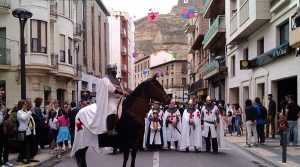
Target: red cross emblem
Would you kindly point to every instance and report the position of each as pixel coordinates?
(191, 115)
(198, 114)
(172, 116)
(208, 113)
(79, 125)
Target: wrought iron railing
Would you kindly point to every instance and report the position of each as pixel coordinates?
(78, 70)
(77, 29)
(5, 56)
(54, 61)
(200, 84)
(5, 4)
(53, 9)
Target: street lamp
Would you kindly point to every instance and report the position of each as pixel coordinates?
(219, 59)
(23, 14)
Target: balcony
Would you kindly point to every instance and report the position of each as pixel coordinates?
(276, 5)
(78, 72)
(215, 36)
(53, 12)
(124, 51)
(294, 36)
(200, 84)
(250, 16)
(213, 8)
(77, 32)
(5, 58)
(66, 70)
(211, 69)
(5, 5)
(123, 33)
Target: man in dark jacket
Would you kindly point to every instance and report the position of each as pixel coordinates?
(250, 123)
(72, 115)
(271, 117)
(261, 113)
(292, 118)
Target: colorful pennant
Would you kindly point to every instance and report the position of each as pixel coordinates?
(135, 54)
(152, 17)
(145, 72)
(188, 13)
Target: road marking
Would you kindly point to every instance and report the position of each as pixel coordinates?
(156, 159)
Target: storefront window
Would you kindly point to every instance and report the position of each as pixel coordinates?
(284, 33)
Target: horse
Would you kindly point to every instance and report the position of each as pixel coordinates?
(131, 125)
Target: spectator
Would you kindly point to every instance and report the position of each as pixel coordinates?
(261, 113)
(63, 136)
(72, 115)
(250, 123)
(292, 118)
(238, 118)
(53, 129)
(229, 122)
(4, 136)
(57, 109)
(233, 118)
(271, 117)
(224, 121)
(282, 124)
(83, 104)
(40, 120)
(24, 132)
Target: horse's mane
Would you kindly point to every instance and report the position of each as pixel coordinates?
(129, 100)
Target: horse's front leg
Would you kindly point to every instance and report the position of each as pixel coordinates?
(133, 156)
(80, 157)
(125, 155)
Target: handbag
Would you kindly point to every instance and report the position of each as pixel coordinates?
(21, 136)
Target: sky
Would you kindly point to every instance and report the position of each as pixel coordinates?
(140, 8)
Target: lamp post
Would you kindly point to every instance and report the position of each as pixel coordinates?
(23, 14)
(219, 59)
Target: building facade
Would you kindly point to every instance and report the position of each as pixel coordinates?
(260, 59)
(214, 41)
(93, 48)
(122, 46)
(141, 70)
(197, 56)
(50, 57)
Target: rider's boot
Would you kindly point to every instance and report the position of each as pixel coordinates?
(110, 123)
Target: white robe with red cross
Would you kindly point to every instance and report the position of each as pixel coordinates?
(191, 135)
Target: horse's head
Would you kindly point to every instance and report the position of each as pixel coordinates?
(156, 91)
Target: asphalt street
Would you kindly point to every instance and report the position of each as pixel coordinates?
(228, 157)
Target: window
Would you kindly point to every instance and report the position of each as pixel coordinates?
(38, 36)
(70, 51)
(183, 81)
(61, 7)
(232, 66)
(245, 54)
(93, 87)
(172, 82)
(284, 33)
(70, 9)
(167, 84)
(62, 49)
(260, 46)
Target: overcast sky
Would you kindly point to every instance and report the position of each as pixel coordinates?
(140, 8)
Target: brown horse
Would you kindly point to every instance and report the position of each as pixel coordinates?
(131, 125)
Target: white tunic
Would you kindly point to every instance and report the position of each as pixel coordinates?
(191, 135)
(210, 118)
(147, 122)
(172, 134)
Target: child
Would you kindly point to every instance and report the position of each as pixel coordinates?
(229, 122)
(53, 129)
(63, 136)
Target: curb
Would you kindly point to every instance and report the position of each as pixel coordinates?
(254, 154)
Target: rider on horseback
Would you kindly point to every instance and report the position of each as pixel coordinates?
(113, 97)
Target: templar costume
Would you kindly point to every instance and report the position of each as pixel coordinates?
(191, 130)
(155, 135)
(172, 125)
(98, 118)
(209, 121)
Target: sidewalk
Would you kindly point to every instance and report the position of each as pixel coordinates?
(45, 157)
(270, 151)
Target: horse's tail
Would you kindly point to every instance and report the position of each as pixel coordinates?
(80, 157)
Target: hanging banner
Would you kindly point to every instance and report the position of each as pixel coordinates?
(152, 17)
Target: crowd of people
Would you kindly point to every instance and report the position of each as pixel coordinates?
(34, 128)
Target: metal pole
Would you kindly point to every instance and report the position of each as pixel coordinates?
(284, 143)
(23, 69)
(182, 94)
(219, 80)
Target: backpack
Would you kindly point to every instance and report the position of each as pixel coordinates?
(263, 112)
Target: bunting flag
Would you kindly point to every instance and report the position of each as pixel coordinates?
(174, 54)
(152, 17)
(188, 13)
(185, 1)
(135, 54)
(145, 72)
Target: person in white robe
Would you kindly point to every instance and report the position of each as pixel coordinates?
(99, 118)
(191, 129)
(209, 124)
(172, 125)
(155, 135)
